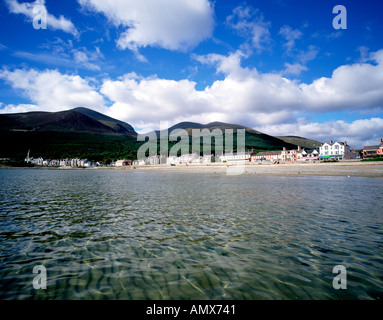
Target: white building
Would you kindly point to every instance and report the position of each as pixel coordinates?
(39, 161)
(139, 162)
(153, 160)
(335, 150)
(189, 158)
(75, 162)
(306, 155)
(121, 163)
(171, 160)
(235, 157)
(207, 159)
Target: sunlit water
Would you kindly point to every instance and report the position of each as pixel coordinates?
(131, 235)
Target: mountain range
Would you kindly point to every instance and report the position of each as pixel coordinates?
(85, 133)
(74, 120)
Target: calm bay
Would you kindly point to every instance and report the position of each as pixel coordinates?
(155, 235)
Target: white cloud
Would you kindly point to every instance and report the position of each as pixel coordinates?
(302, 58)
(19, 108)
(145, 102)
(244, 96)
(306, 56)
(294, 68)
(327, 36)
(228, 65)
(290, 35)
(169, 24)
(364, 56)
(81, 58)
(250, 23)
(268, 102)
(357, 133)
(351, 87)
(50, 90)
(26, 8)
(86, 58)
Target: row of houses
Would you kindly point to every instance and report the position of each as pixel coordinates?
(190, 158)
(172, 160)
(331, 150)
(327, 151)
(299, 154)
(84, 163)
(373, 151)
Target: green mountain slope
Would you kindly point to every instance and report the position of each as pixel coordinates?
(303, 142)
(75, 120)
(76, 133)
(61, 145)
(84, 133)
(254, 139)
(117, 125)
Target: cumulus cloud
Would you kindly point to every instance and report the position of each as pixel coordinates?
(169, 24)
(268, 102)
(351, 87)
(50, 90)
(246, 96)
(147, 101)
(26, 8)
(357, 134)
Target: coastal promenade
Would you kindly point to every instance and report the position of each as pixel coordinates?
(345, 168)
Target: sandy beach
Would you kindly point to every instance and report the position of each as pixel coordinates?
(352, 168)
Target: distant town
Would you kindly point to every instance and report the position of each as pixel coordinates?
(331, 151)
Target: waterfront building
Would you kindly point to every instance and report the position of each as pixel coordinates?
(335, 150)
(207, 158)
(266, 156)
(189, 158)
(153, 160)
(235, 157)
(373, 151)
(139, 162)
(171, 160)
(287, 155)
(39, 161)
(290, 155)
(307, 155)
(121, 163)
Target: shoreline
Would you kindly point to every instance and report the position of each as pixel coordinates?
(352, 169)
(347, 169)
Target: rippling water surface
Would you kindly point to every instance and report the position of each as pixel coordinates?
(131, 235)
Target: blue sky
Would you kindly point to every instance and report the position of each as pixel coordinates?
(277, 66)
